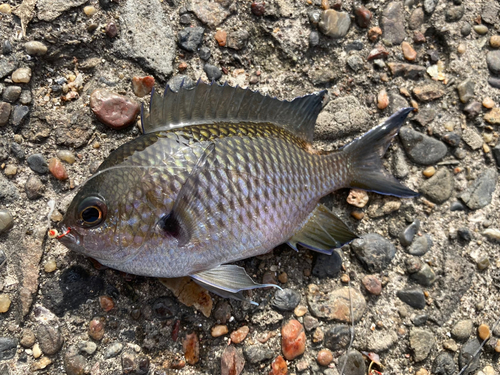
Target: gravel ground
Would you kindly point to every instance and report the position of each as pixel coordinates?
(423, 277)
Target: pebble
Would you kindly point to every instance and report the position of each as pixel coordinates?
(21, 75)
(5, 8)
(300, 310)
(111, 30)
(334, 24)
(443, 364)
(374, 33)
(430, 5)
(466, 90)
(373, 251)
(113, 110)
(355, 62)
(96, 329)
(482, 263)
(257, 353)
(310, 323)
(6, 220)
(450, 345)
(11, 93)
(278, 366)
(293, 339)
(493, 61)
(483, 331)
(429, 171)
(413, 297)
(462, 330)
(408, 234)
(335, 304)
(473, 109)
(5, 109)
(38, 164)
(4, 298)
(416, 18)
(479, 194)
(25, 97)
(286, 299)
(35, 48)
(19, 113)
(89, 10)
(27, 338)
(87, 347)
(408, 52)
(419, 320)
(210, 13)
(464, 234)
(421, 148)
(164, 308)
(488, 103)
(191, 346)
(232, 361)
(327, 265)
(238, 39)
(66, 156)
(191, 37)
(106, 303)
(34, 187)
(372, 284)
(454, 13)
(410, 71)
(354, 363)
(219, 330)
(439, 187)
(382, 99)
(113, 350)
(421, 245)
(363, 16)
(258, 9)
(37, 352)
(428, 92)
(74, 363)
(493, 116)
(50, 338)
(8, 347)
(425, 276)
(213, 73)
(421, 343)
(204, 53)
(495, 41)
(466, 353)
(221, 38)
(494, 82)
(57, 169)
(452, 138)
(392, 23)
(480, 29)
(324, 357)
(142, 85)
(492, 234)
(222, 312)
(239, 335)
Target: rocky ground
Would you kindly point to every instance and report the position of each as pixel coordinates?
(423, 277)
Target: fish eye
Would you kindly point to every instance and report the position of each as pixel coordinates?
(92, 211)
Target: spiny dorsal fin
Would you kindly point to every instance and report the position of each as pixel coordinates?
(209, 103)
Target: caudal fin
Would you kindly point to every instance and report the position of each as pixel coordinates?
(365, 158)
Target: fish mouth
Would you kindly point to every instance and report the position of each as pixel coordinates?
(69, 238)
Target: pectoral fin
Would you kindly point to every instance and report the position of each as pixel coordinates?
(323, 231)
(228, 281)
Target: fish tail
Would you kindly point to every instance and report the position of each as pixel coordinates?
(364, 159)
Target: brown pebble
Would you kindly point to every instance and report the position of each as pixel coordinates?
(382, 99)
(358, 215)
(283, 277)
(419, 38)
(219, 330)
(182, 66)
(240, 334)
(111, 30)
(377, 53)
(344, 278)
(279, 367)
(191, 347)
(293, 339)
(483, 331)
(318, 335)
(300, 310)
(497, 347)
(107, 303)
(372, 284)
(113, 110)
(306, 272)
(325, 5)
(488, 103)
(325, 357)
(422, 371)
(409, 53)
(374, 33)
(96, 328)
(142, 85)
(363, 16)
(495, 41)
(258, 9)
(57, 169)
(429, 171)
(220, 37)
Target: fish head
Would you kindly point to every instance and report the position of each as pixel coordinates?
(109, 219)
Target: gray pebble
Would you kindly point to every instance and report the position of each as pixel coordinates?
(425, 276)
(392, 23)
(185, 19)
(286, 299)
(222, 311)
(430, 5)
(213, 73)
(467, 353)
(421, 245)
(310, 323)
(38, 164)
(8, 191)
(443, 364)
(19, 114)
(176, 82)
(6, 220)
(457, 206)
(205, 53)
(419, 320)
(413, 264)
(466, 29)
(113, 350)
(480, 193)
(5, 109)
(34, 187)
(490, 12)
(452, 138)
(480, 29)
(6, 47)
(257, 353)
(462, 330)
(454, 13)
(11, 93)
(496, 154)
(313, 38)
(35, 48)
(7, 66)
(459, 153)
(421, 343)
(493, 61)
(466, 90)
(373, 251)
(439, 187)
(237, 40)
(425, 116)
(25, 97)
(87, 347)
(8, 347)
(191, 37)
(337, 337)
(327, 265)
(494, 82)
(49, 338)
(400, 167)
(407, 235)
(334, 24)
(314, 16)
(355, 62)
(413, 297)
(464, 234)
(473, 109)
(354, 363)
(421, 148)
(416, 18)
(357, 45)
(17, 150)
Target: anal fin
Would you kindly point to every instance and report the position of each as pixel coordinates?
(323, 231)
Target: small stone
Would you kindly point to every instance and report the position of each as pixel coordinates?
(111, 30)
(374, 33)
(413, 297)
(38, 164)
(443, 364)
(37, 352)
(452, 138)
(300, 310)
(221, 37)
(419, 320)
(334, 24)
(493, 116)
(416, 18)
(25, 97)
(493, 61)
(89, 10)
(232, 361)
(327, 265)
(454, 13)
(325, 357)
(473, 109)
(480, 193)
(425, 276)
(27, 338)
(4, 298)
(293, 339)
(142, 85)
(406, 237)
(34, 187)
(429, 171)
(408, 52)
(50, 338)
(35, 48)
(467, 353)
(213, 73)
(286, 299)
(495, 41)
(257, 353)
(6, 220)
(430, 6)
(222, 312)
(480, 29)
(382, 99)
(428, 92)
(21, 75)
(410, 71)
(66, 156)
(337, 337)
(11, 93)
(240, 334)
(336, 305)
(74, 363)
(258, 9)
(483, 331)
(466, 90)
(113, 350)
(494, 82)
(238, 39)
(5, 109)
(106, 303)
(363, 16)
(439, 187)
(421, 148)
(488, 103)
(96, 329)
(19, 113)
(210, 13)
(113, 110)
(392, 23)
(57, 169)
(204, 53)
(372, 284)
(353, 363)
(462, 330)
(5, 8)
(191, 37)
(355, 62)
(191, 348)
(283, 277)
(310, 323)
(219, 330)
(87, 347)
(421, 245)
(374, 252)
(421, 343)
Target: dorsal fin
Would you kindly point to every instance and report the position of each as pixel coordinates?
(209, 103)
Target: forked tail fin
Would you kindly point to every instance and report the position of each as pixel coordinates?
(365, 159)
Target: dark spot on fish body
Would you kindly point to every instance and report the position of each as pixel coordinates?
(170, 226)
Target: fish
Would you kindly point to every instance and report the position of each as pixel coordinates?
(222, 174)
